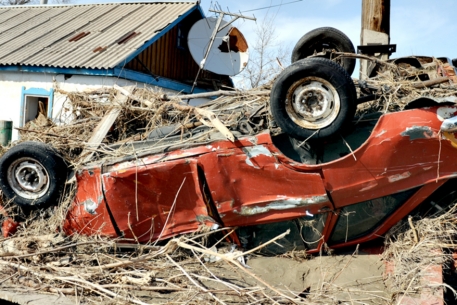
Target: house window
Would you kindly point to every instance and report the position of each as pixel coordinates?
(35, 101)
(182, 38)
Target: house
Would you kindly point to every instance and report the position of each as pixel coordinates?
(79, 47)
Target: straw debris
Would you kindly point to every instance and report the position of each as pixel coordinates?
(414, 248)
(71, 131)
(39, 258)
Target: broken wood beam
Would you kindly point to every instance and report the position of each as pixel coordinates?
(133, 97)
(360, 56)
(104, 126)
(216, 93)
(216, 123)
(431, 82)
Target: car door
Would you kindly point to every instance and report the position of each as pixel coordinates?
(156, 200)
(249, 186)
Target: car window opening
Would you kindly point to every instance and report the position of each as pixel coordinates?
(318, 152)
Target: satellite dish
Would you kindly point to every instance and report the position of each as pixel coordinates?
(229, 52)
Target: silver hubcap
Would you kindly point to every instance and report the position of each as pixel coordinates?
(312, 103)
(28, 178)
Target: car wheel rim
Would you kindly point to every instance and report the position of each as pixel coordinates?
(312, 103)
(28, 178)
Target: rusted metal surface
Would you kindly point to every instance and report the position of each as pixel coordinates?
(388, 156)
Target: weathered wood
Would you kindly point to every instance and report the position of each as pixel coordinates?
(375, 30)
(216, 93)
(371, 58)
(104, 126)
(431, 82)
(210, 116)
(202, 112)
(376, 15)
(216, 123)
(133, 97)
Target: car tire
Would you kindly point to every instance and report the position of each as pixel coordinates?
(32, 175)
(325, 38)
(313, 98)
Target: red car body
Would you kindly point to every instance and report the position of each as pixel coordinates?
(250, 182)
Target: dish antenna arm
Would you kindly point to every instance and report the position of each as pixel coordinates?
(217, 29)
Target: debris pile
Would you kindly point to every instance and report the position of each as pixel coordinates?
(38, 258)
(415, 250)
(139, 113)
(140, 274)
(396, 84)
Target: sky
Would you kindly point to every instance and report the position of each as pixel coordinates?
(418, 27)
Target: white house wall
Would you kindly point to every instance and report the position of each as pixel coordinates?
(12, 83)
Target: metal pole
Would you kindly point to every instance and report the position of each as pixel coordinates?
(375, 28)
(43, 1)
(217, 28)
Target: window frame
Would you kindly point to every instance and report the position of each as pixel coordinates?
(36, 92)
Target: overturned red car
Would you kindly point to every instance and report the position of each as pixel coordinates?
(404, 164)
(330, 190)
(265, 185)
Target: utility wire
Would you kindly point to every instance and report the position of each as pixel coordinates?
(267, 7)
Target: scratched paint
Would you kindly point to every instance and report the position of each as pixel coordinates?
(398, 177)
(90, 206)
(253, 140)
(418, 132)
(446, 112)
(449, 125)
(285, 204)
(381, 133)
(255, 151)
(369, 186)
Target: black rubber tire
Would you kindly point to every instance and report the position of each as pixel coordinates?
(45, 156)
(327, 70)
(325, 38)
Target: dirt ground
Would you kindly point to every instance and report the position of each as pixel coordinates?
(356, 279)
(342, 278)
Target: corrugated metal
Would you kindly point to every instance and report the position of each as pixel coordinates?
(39, 36)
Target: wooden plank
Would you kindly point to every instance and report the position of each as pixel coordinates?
(216, 123)
(217, 93)
(129, 94)
(105, 124)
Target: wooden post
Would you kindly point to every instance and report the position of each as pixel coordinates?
(375, 28)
